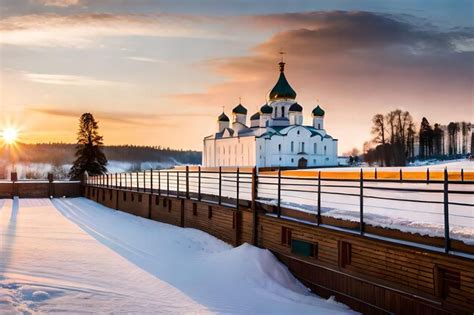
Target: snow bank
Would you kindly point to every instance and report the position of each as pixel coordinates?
(73, 255)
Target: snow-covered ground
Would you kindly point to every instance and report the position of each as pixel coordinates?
(76, 256)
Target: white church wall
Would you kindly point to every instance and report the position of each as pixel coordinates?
(231, 151)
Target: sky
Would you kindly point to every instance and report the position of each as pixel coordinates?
(159, 72)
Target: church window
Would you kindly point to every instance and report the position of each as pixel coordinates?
(314, 161)
(302, 146)
(279, 148)
(319, 126)
(292, 160)
(324, 149)
(282, 112)
(298, 132)
(315, 148)
(292, 146)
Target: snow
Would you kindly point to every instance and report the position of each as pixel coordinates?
(74, 255)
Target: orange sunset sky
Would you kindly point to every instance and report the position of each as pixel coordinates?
(159, 72)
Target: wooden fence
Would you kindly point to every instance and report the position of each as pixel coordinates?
(235, 186)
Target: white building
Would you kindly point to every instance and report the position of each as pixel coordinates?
(275, 137)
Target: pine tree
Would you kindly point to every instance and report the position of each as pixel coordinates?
(89, 154)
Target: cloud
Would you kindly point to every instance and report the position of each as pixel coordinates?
(143, 59)
(84, 30)
(357, 64)
(120, 117)
(59, 3)
(72, 80)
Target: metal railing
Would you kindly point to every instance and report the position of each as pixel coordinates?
(314, 192)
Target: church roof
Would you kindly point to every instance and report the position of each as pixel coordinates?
(282, 88)
(255, 116)
(223, 117)
(266, 109)
(318, 111)
(239, 109)
(296, 108)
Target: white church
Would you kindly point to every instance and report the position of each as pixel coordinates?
(276, 136)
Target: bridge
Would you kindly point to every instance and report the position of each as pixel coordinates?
(375, 269)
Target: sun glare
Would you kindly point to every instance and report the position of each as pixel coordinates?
(9, 135)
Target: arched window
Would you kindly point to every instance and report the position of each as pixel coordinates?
(292, 146)
(315, 148)
(279, 148)
(282, 111)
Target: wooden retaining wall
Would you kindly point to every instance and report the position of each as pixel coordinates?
(40, 189)
(371, 276)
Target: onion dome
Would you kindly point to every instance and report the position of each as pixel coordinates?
(255, 116)
(296, 108)
(318, 111)
(282, 88)
(239, 109)
(266, 109)
(223, 117)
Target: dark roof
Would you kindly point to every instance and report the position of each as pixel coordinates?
(255, 116)
(282, 88)
(296, 108)
(266, 109)
(223, 117)
(318, 111)
(239, 109)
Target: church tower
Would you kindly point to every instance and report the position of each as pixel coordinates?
(318, 118)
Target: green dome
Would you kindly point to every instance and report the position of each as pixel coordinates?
(223, 117)
(239, 109)
(296, 108)
(266, 109)
(255, 116)
(318, 111)
(282, 88)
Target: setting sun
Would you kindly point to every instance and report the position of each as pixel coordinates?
(10, 135)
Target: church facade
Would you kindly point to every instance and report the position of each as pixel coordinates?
(274, 137)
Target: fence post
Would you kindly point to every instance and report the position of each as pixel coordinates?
(168, 184)
(279, 192)
(254, 207)
(447, 241)
(462, 174)
(187, 182)
(177, 184)
(159, 183)
(361, 222)
(131, 181)
(401, 176)
(375, 174)
(220, 184)
(319, 198)
(199, 183)
(138, 182)
(151, 180)
(427, 175)
(237, 192)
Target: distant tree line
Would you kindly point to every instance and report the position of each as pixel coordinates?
(64, 153)
(396, 141)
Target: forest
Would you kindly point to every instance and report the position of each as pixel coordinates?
(63, 153)
(397, 140)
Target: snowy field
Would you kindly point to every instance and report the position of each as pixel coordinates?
(75, 256)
